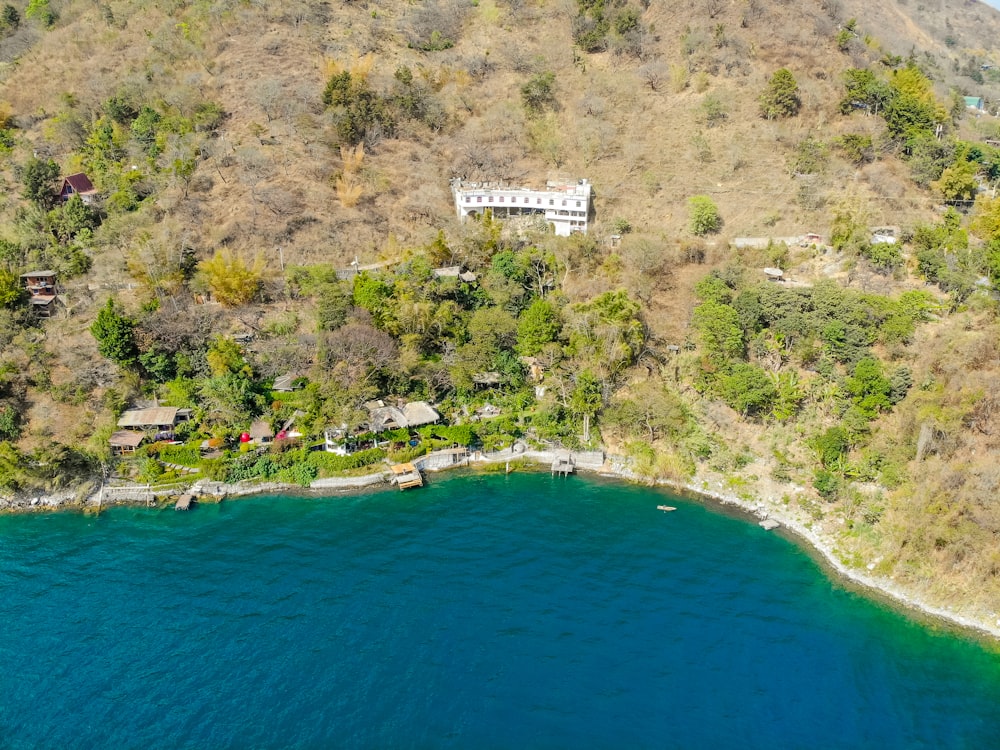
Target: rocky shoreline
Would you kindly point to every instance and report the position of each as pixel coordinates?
(772, 512)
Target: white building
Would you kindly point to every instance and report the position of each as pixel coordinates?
(564, 205)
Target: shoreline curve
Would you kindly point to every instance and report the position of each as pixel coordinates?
(614, 467)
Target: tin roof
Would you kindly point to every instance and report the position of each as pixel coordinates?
(158, 415)
(126, 439)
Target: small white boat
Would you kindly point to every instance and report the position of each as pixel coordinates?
(665, 508)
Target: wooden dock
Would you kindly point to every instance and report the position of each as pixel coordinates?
(184, 502)
(563, 465)
(407, 476)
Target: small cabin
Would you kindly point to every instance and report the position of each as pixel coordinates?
(125, 442)
(41, 285)
(159, 419)
(78, 184)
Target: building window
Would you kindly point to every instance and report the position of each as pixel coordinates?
(479, 199)
(539, 201)
(501, 199)
(578, 204)
(551, 202)
(525, 199)
(468, 199)
(564, 203)
(491, 199)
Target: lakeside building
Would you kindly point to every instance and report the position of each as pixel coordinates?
(564, 205)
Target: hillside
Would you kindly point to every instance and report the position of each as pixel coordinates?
(242, 153)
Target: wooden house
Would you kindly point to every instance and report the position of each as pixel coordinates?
(154, 419)
(41, 285)
(125, 442)
(78, 184)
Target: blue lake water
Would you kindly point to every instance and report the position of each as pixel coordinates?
(478, 612)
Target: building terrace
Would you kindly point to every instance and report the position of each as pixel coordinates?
(564, 205)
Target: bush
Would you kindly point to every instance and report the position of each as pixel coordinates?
(827, 484)
(781, 97)
(538, 93)
(328, 463)
(705, 218)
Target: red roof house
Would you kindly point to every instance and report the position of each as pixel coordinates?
(80, 184)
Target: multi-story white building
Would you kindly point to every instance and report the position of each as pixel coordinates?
(564, 205)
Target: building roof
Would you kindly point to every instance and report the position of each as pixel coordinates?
(486, 378)
(158, 415)
(80, 183)
(126, 439)
(42, 300)
(387, 418)
(447, 271)
(419, 412)
(284, 382)
(260, 429)
(38, 274)
(973, 101)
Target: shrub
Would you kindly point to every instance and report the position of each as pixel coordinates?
(705, 218)
(827, 484)
(781, 96)
(328, 463)
(230, 279)
(538, 93)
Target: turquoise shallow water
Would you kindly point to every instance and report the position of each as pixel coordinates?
(479, 612)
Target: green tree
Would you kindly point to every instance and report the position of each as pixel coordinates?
(718, 326)
(73, 218)
(957, 183)
(230, 279)
(857, 148)
(864, 89)
(358, 110)
(225, 356)
(986, 218)
(40, 10)
(781, 96)
(12, 473)
(10, 423)
(333, 303)
(747, 388)
(538, 325)
(831, 446)
(849, 231)
(11, 289)
(586, 398)
(115, 335)
(38, 177)
(230, 399)
(375, 296)
(704, 215)
(10, 19)
(538, 94)
(869, 387)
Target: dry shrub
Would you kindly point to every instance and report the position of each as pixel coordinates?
(348, 184)
(679, 77)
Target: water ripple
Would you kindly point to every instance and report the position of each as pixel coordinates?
(494, 612)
